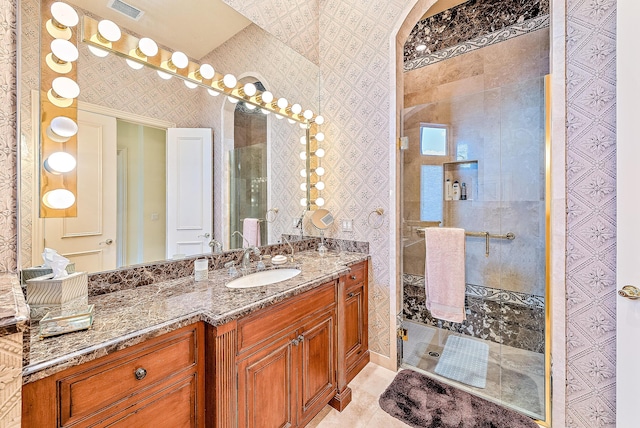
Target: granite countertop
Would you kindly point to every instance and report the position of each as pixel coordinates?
(125, 318)
(14, 312)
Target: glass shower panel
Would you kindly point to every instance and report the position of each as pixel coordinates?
(495, 162)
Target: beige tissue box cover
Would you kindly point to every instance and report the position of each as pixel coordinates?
(36, 271)
(45, 294)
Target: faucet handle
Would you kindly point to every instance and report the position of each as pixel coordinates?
(232, 268)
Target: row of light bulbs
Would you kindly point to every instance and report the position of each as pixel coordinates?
(319, 153)
(62, 93)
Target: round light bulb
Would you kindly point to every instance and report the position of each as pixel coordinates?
(319, 202)
(61, 129)
(319, 136)
(189, 84)
(308, 114)
(65, 87)
(296, 109)
(303, 173)
(100, 53)
(229, 80)
(264, 111)
(267, 97)
(134, 64)
(303, 155)
(250, 89)
(303, 202)
(302, 125)
(233, 100)
(291, 121)
(303, 187)
(279, 116)
(108, 31)
(250, 106)
(303, 140)
(206, 71)
(60, 163)
(320, 153)
(319, 120)
(64, 14)
(147, 47)
(64, 50)
(163, 75)
(179, 59)
(320, 185)
(320, 171)
(213, 93)
(58, 199)
(282, 103)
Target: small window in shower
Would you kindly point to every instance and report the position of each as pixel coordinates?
(433, 139)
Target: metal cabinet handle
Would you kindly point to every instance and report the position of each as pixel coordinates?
(630, 292)
(108, 242)
(140, 373)
(353, 277)
(351, 294)
(297, 340)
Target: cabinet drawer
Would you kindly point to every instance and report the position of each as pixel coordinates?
(262, 325)
(124, 374)
(356, 275)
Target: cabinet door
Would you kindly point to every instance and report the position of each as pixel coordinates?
(355, 324)
(264, 387)
(317, 381)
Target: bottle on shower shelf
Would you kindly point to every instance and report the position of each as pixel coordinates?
(463, 192)
(455, 193)
(448, 190)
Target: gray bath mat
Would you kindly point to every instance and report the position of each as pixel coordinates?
(464, 360)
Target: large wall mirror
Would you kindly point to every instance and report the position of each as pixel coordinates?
(132, 115)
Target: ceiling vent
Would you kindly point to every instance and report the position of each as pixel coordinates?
(125, 9)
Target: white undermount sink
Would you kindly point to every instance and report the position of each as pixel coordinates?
(264, 277)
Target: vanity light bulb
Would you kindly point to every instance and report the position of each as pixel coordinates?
(296, 109)
(133, 64)
(213, 93)
(100, 53)
(108, 31)
(320, 171)
(303, 202)
(264, 111)
(320, 185)
(65, 87)
(63, 17)
(320, 153)
(61, 129)
(303, 140)
(58, 199)
(319, 120)
(190, 85)
(303, 155)
(64, 50)
(207, 71)
(250, 106)
(60, 163)
(320, 136)
(267, 97)
(303, 173)
(148, 47)
(282, 103)
(250, 89)
(291, 121)
(179, 59)
(303, 187)
(308, 114)
(279, 116)
(303, 125)
(163, 75)
(229, 80)
(233, 100)
(320, 202)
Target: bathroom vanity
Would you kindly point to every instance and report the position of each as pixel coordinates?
(185, 353)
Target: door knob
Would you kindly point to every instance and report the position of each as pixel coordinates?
(107, 242)
(630, 292)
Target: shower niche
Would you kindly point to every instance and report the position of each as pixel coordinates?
(460, 180)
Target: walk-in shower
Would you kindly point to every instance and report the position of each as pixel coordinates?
(476, 160)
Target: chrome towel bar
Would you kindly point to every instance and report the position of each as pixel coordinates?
(486, 235)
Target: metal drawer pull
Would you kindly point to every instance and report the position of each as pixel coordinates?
(353, 277)
(351, 294)
(297, 340)
(140, 373)
(630, 292)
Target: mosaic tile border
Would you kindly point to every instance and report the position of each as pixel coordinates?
(487, 293)
(479, 42)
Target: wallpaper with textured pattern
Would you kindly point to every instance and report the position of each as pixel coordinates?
(10, 380)
(354, 54)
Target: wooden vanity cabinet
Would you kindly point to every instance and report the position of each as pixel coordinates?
(287, 374)
(159, 382)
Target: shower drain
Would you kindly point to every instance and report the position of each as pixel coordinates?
(434, 354)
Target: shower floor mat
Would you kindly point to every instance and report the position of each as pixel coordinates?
(464, 360)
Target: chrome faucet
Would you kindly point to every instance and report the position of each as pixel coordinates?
(299, 223)
(246, 255)
(215, 245)
(291, 258)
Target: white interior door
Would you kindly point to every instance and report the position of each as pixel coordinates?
(628, 215)
(89, 239)
(189, 190)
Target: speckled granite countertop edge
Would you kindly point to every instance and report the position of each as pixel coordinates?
(55, 354)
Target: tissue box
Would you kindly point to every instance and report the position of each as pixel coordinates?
(45, 294)
(36, 271)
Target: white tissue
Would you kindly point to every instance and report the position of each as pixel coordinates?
(55, 262)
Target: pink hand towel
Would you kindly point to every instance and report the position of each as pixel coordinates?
(444, 275)
(251, 232)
